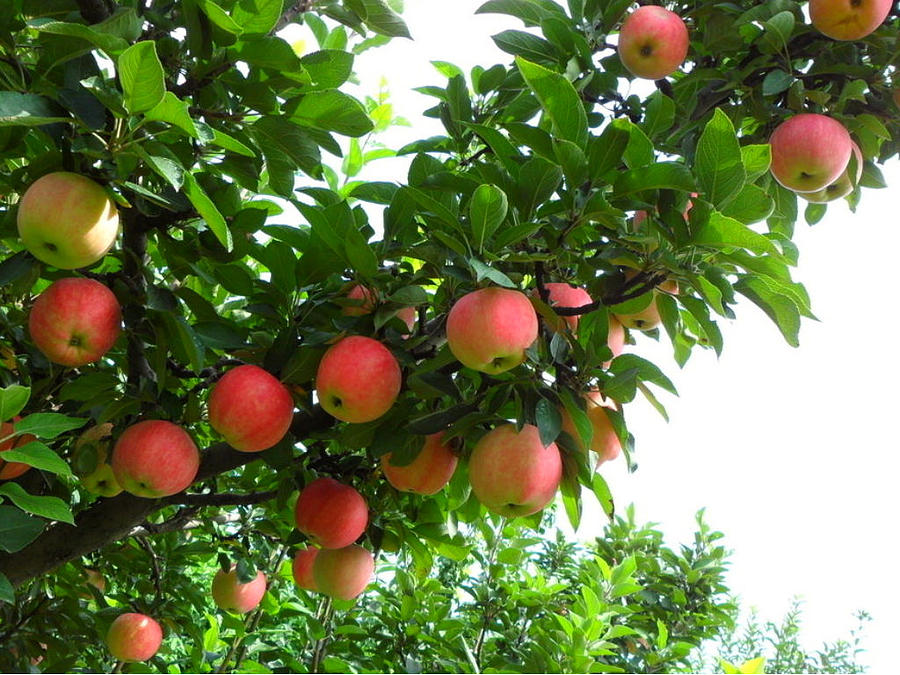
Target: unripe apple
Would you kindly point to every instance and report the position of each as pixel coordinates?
(430, 471)
(101, 481)
(604, 440)
(343, 573)
(67, 220)
(565, 295)
(366, 301)
(233, 596)
(653, 42)
(302, 568)
(331, 514)
(155, 458)
(358, 379)
(134, 637)
(75, 321)
(514, 474)
(648, 318)
(250, 408)
(489, 329)
(809, 152)
(848, 19)
(842, 187)
(10, 470)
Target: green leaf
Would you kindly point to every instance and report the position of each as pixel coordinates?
(483, 271)
(52, 508)
(48, 425)
(220, 17)
(330, 110)
(531, 47)
(173, 110)
(17, 529)
(662, 175)
(39, 456)
(142, 77)
(776, 81)
(7, 592)
(579, 417)
(208, 211)
(273, 53)
(605, 151)
(720, 231)
(538, 180)
(285, 147)
(409, 295)
(110, 44)
(28, 110)
(12, 399)
(487, 209)
(718, 160)
(645, 370)
(778, 30)
(549, 421)
(603, 494)
(777, 307)
(660, 115)
(756, 160)
(257, 17)
(559, 100)
(378, 16)
(328, 68)
(750, 205)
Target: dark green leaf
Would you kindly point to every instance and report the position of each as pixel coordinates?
(17, 529)
(52, 508)
(549, 421)
(48, 425)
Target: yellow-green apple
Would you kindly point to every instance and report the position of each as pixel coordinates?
(10, 470)
(364, 299)
(848, 19)
(565, 295)
(809, 152)
(302, 568)
(653, 42)
(75, 321)
(358, 379)
(512, 472)
(343, 573)
(155, 458)
(842, 187)
(604, 440)
(233, 596)
(67, 220)
(430, 471)
(648, 318)
(101, 481)
(489, 329)
(331, 514)
(134, 637)
(250, 408)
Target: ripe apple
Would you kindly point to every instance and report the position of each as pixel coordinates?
(331, 514)
(489, 329)
(842, 187)
(343, 573)
(302, 568)
(155, 458)
(9, 470)
(653, 42)
(564, 295)
(848, 19)
(408, 315)
(365, 298)
(615, 338)
(67, 220)
(512, 473)
(250, 408)
(101, 481)
(233, 596)
(648, 318)
(358, 379)
(809, 152)
(604, 440)
(75, 321)
(430, 471)
(134, 637)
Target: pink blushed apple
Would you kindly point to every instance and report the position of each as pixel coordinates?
(364, 301)
(428, 473)
(565, 295)
(155, 458)
(809, 152)
(331, 514)
(343, 573)
(302, 568)
(653, 42)
(842, 187)
(848, 19)
(233, 595)
(134, 637)
(604, 440)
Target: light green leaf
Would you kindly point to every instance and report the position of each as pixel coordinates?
(48, 425)
(12, 399)
(487, 209)
(559, 100)
(39, 456)
(52, 508)
(718, 160)
(330, 110)
(662, 175)
(720, 231)
(142, 77)
(173, 110)
(482, 271)
(208, 211)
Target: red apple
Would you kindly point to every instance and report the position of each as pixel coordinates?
(848, 19)
(233, 596)
(9, 470)
(331, 514)
(653, 42)
(75, 321)
(358, 379)
(250, 408)
(514, 474)
(615, 338)
(809, 152)
(843, 186)
(489, 329)
(430, 471)
(155, 458)
(365, 298)
(67, 220)
(343, 573)
(302, 568)
(134, 637)
(604, 440)
(564, 295)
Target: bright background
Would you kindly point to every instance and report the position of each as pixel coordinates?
(793, 452)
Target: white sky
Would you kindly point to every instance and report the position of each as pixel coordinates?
(793, 452)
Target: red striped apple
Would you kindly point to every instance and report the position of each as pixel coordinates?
(653, 42)
(430, 471)
(331, 514)
(848, 19)
(134, 637)
(155, 458)
(343, 573)
(809, 152)
(302, 568)
(230, 594)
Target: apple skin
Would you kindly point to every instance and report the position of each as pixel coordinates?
(848, 19)
(809, 152)
(10, 470)
(343, 573)
(564, 295)
(250, 408)
(842, 187)
(331, 514)
(302, 568)
(67, 220)
(653, 42)
(408, 315)
(604, 440)
(134, 637)
(489, 329)
(75, 321)
(428, 473)
(231, 595)
(512, 473)
(366, 298)
(358, 379)
(155, 458)
(615, 338)
(648, 318)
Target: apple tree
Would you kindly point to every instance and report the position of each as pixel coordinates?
(463, 332)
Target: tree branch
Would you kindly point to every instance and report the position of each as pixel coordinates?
(292, 11)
